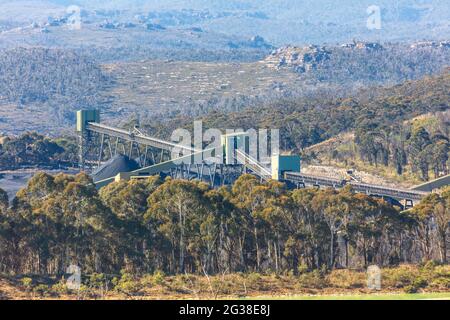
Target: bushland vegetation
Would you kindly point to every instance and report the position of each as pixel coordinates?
(178, 227)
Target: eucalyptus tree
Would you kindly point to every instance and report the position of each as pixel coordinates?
(367, 226)
(254, 200)
(308, 230)
(5, 232)
(327, 204)
(443, 222)
(4, 201)
(217, 230)
(277, 213)
(61, 220)
(235, 236)
(128, 202)
(432, 214)
(173, 210)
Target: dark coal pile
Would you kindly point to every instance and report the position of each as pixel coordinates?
(113, 167)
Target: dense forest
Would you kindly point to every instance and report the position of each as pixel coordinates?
(422, 149)
(307, 121)
(178, 226)
(32, 149)
(59, 81)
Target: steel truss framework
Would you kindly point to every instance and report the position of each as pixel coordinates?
(96, 148)
(214, 174)
(408, 197)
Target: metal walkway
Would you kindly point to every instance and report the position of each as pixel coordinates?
(433, 185)
(303, 180)
(138, 137)
(253, 165)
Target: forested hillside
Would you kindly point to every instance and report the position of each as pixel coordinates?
(58, 81)
(376, 115)
(53, 83)
(359, 63)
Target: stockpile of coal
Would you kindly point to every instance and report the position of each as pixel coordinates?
(113, 167)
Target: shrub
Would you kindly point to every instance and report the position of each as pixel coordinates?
(441, 277)
(400, 277)
(60, 288)
(27, 283)
(127, 284)
(302, 268)
(41, 289)
(442, 271)
(98, 281)
(416, 285)
(253, 280)
(429, 265)
(158, 278)
(410, 289)
(313, 280)
(183, 283)
(348, 279)
(440, 283)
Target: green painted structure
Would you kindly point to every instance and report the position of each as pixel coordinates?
(284, 163)
(86, 116)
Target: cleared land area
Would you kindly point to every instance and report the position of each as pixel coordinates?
(170, 86)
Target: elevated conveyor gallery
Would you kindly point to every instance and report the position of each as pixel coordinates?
(235, 159)
(433, 185)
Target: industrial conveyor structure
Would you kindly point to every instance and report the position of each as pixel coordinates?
(114, 141)
(98, 142)
(406, 197)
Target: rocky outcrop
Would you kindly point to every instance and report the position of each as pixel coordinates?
(362, 45)
(296, 58)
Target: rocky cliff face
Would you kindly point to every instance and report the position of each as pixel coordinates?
(362, 45)
(299, 59)
(304, 59)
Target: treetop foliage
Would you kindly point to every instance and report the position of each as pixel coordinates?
(33, 149)
(176, 226)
